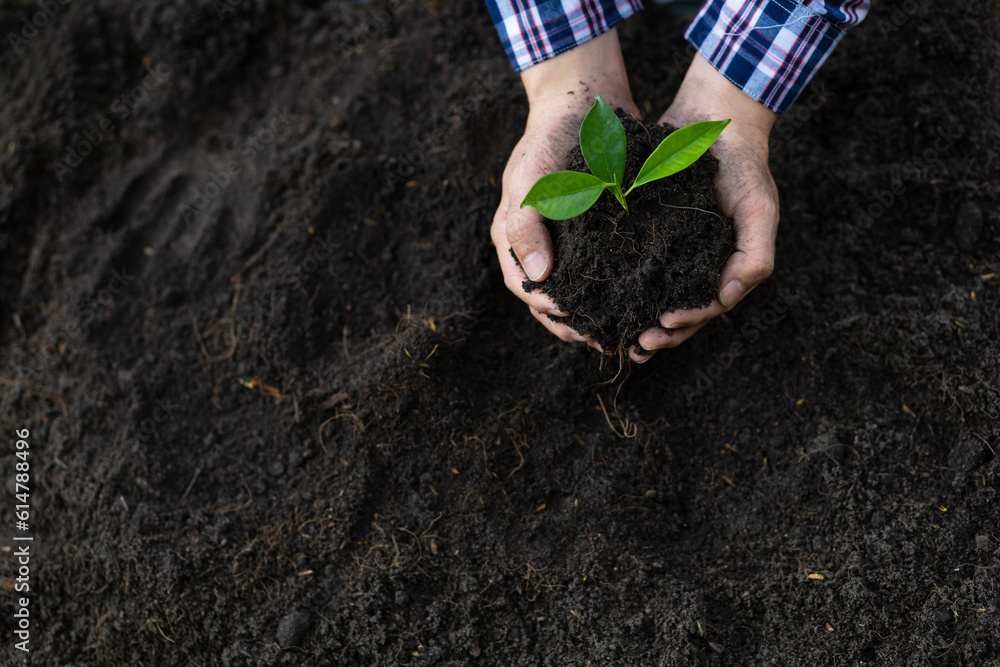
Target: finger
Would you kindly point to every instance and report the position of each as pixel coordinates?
(513, 276)
(750, 198)
(744, 271)
(526, 231)
(657, 338)
(530, 241)
(679, 319)
(564, 332)
(639, 355)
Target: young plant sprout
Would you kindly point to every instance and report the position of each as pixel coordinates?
(562, 195)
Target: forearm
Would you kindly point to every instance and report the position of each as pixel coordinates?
(770, 49)
(534, 31)
(570, 80)
(705, 94)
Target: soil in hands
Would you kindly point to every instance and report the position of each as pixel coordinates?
(615, 273)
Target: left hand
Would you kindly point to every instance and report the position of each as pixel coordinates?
(744, 189)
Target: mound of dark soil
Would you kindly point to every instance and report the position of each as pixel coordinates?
(284, 411)
(615, 273)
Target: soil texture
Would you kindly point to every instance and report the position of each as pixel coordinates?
(283, 411)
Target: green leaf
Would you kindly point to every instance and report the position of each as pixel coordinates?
(681, 149)
(562, 195)
(602, 141)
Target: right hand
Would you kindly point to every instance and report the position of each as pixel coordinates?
(744, 189)
(561, 91)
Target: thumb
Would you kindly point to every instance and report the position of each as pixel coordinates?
(529, 239)
(747, 194)
(752, 260)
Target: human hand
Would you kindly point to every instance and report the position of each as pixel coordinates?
(560, 92)
(744, 189)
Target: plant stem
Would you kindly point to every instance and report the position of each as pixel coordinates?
(617, 191)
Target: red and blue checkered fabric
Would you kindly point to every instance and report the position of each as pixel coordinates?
(770, 49)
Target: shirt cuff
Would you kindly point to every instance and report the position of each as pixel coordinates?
(770, 49)
(535, 31)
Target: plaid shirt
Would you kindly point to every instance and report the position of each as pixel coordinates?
(769, 48)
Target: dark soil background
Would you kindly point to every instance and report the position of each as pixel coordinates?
(283, 411)
(615, 273)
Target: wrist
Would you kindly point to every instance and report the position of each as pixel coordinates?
(568, 82)
(706, 94)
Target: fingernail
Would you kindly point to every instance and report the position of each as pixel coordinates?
(556, 313)
(534, 265)
(732, 293)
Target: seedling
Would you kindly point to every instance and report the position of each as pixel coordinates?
(562, 195)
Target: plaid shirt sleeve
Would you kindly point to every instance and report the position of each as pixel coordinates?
(770, 49)
(535, 30)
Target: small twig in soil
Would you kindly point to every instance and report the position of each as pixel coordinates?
(257, 255)
(424, 534)
(619, 351)
(430, 355)
(359, 427)
(189, 487)
(985, 443)
(695, 208)
(985, 384)
(52, 397)
(347, 354)
(519, 455)
(690, 208)
(649, 137)
(320, 434)
(156, 625)
(321, 519)
(242, 551)
(628, 430)
(232, 328)
(657, 232)
(224, 510)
